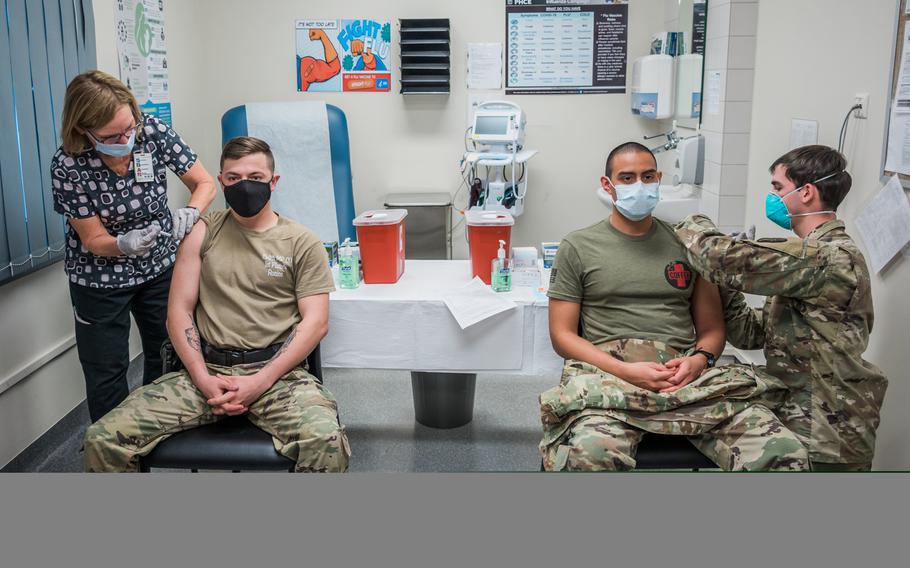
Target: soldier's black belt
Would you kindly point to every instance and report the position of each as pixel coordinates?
(231, 357)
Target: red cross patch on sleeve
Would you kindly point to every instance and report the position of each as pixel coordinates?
(678, 274)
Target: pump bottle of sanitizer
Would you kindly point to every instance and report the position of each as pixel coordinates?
(501, 277)
(348, 269)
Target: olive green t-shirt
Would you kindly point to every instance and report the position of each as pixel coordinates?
(250, 281)
(628, 286)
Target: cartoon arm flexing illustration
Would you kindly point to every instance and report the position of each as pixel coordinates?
(314, 70)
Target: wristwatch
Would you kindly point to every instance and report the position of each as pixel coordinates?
(711, 359)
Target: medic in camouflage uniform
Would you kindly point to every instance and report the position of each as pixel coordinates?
(815, 325)
(640, 331)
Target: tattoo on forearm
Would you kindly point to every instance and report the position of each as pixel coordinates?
(287, 341)
(192, 337)
(284, 345)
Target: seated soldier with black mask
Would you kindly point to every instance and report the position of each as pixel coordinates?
(246, 281)
(640, 332)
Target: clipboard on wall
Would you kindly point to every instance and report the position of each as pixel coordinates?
(896, 158)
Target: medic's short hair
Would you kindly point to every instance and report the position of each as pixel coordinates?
(810, 163)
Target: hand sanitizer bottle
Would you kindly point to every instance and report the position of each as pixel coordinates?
(501, 277)
(348, 269)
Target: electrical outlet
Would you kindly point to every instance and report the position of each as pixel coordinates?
(861, 99)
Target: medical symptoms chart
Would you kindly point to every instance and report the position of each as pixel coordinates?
(565, 47)
(142, 56)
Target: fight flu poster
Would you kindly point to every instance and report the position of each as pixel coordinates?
(344, 55)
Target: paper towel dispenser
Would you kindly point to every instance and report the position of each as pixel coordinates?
(688, 80)
(653, 86)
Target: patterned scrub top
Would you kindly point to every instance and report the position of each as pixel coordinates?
(83, 187)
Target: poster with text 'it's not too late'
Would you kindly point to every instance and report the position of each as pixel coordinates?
(343, 55)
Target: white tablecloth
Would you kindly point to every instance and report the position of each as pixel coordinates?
(407, 326)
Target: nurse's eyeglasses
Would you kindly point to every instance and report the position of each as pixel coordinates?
(114, 138)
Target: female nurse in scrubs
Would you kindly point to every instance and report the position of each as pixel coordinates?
(109, 182)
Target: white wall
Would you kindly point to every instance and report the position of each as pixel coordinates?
(227, 52)
(810, 61)
(36, 317)
(729, 56)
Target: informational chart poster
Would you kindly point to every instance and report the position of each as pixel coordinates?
(344, 55)
(563, 47)
(142, 56)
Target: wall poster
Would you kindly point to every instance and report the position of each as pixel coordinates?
(344, 55)
(142, 56)
(565, 47)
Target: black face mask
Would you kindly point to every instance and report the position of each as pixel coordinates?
(247, 197)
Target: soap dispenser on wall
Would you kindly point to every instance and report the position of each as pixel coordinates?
(690, 161)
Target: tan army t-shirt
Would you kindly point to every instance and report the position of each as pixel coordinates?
(250, 281)
(628, 286)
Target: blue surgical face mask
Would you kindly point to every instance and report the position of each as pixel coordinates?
(117, 150)
(776, 209)
(636, 201)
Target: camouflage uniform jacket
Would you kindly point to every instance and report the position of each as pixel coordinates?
(814, 326)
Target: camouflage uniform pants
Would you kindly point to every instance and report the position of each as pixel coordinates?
(299, 414)
(594, 421)
(794, 412)
(751, 440)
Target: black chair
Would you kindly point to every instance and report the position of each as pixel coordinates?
(232, 443)
(661, 451)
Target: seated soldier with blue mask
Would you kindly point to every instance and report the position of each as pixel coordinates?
(641, 331)
(249, 301)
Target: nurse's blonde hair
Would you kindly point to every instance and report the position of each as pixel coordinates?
(92, 99)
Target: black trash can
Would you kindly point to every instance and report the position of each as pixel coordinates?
(443, 400)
